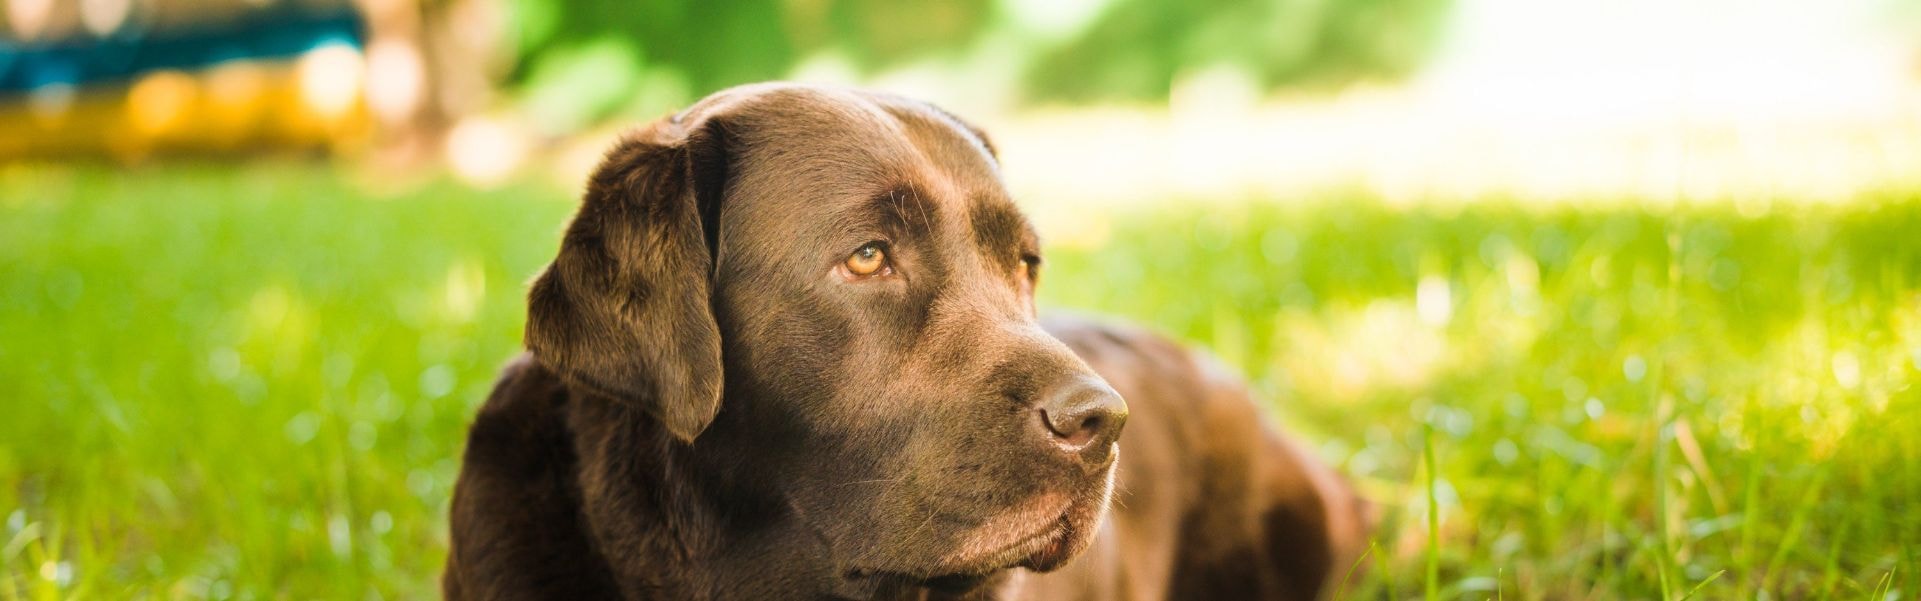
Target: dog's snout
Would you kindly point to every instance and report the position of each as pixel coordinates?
(1084, 416)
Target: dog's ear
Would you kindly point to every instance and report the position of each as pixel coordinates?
(625, 310)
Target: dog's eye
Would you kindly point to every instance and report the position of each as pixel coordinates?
(1030, 266)
(868, 260)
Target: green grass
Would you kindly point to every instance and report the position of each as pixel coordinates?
(253, 383)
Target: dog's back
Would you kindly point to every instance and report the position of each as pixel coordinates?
(1213, 502)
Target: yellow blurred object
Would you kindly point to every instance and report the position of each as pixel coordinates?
(236, 97)
(315, 103)
(159, 102)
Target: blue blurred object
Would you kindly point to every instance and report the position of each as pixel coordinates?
(281, 31)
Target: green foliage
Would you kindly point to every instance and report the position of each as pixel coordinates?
(1124, 49)
(711, 44)
(255, 383)
(1138, 47)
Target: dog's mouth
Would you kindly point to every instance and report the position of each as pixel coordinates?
(1040, 534)
(1057, 524)
(1057, 550)
(1042, 550)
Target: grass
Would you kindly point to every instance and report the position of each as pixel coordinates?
(253, 383)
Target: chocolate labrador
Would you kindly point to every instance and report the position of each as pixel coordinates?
(789, 350)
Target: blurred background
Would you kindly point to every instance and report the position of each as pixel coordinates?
(1596, 300)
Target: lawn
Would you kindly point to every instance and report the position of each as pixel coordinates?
(253, 383)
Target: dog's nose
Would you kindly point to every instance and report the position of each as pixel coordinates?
(1084, 417)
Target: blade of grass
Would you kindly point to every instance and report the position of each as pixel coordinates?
(1664, 422)
(1664, 537)
(1697, 588)
(1433, 516)
(1796, 525)
(1831, 573)
(1880, 592)
(1387, 571)
(1750, 519)
(1342, 591)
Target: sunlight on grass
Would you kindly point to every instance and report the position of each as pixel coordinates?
(255, 383)
(1624, 401)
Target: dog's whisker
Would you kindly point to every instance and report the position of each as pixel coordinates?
(921, 204)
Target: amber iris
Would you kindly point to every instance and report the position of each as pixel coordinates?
(867, 260)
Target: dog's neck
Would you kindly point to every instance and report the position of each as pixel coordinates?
(672, 521)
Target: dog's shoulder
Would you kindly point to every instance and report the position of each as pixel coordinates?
(525, 406)
(1136, 359)
(1198, 437)
(515, 529)
(1106, 341)
(1188, 415)
(523, 385)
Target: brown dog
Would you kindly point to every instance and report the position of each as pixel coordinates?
(789, 351)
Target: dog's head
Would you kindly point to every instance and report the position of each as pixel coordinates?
(832, 289)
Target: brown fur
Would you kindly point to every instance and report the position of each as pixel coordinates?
(710, 410)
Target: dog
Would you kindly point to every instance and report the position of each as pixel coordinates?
(789, 350)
